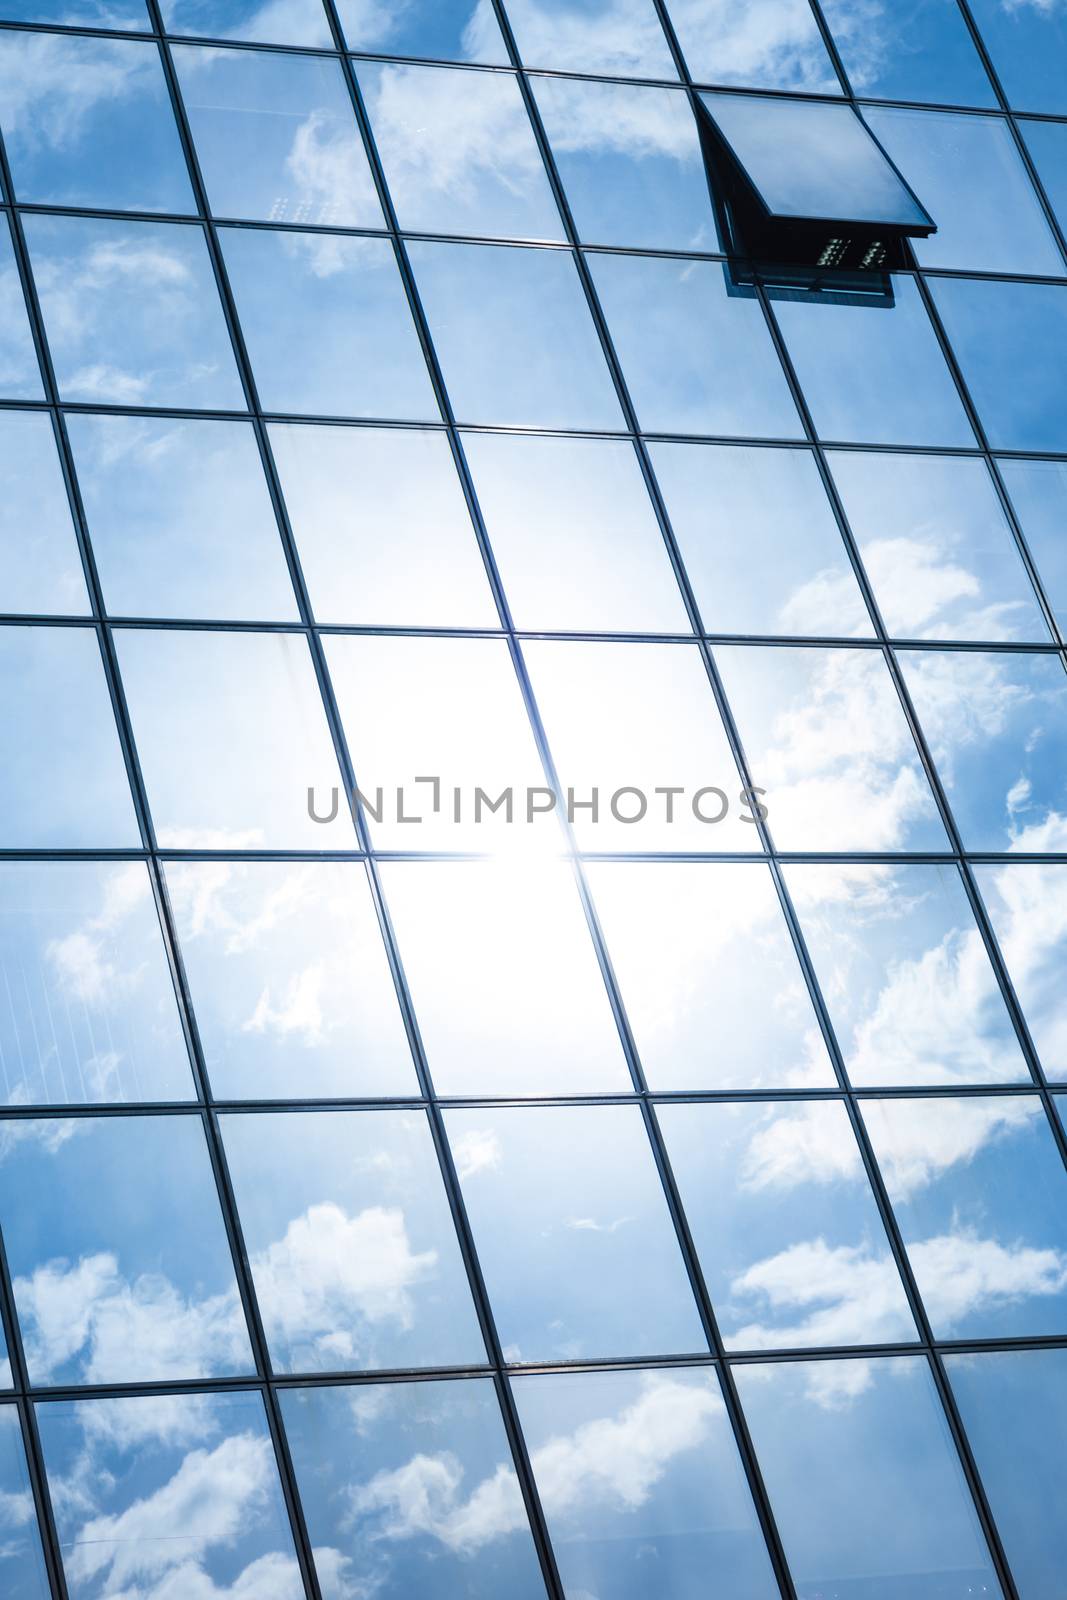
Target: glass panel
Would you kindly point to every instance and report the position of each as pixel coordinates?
(1027, 905)
(980, 1195)
(708, 975)
(87, 1011)
(437, 709)
(176, 1493)
(620, 38)
(636, 727)
(972, 179)
(630, 162)
(63, 783)
(579, 1187)
(130, 14)
(22, 1570)
(995, 722)
(791, 1245)
(20, 375)
(409, 1483)
(40, 567)
(997, 331)
(504, 978)
(766, 44)
(289, 980)
(382, 527)
(864, 1479)
(828, 743)
(696, 359)
(327, 324)
(450, 30)
(458, 151)
(910, 50)
(760, 543)
(276, 137)
(1047, 143)
(231, 734)
(905, 975)
(1038, 491)
(873, 373)
(350, 1241)
(121, 1268)
(88, 122)
(132, 313)
(513, 332)
(574, 534)
(265, 21)
(1028, 44)
(640, 1481)
(180, 518)
(937, 547)
(1014, 1405)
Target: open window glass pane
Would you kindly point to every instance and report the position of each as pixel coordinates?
(350, 1240)
(1028, 44)
(1038, 491)
(133, 313)
(864, 1480)
(921, 50)
(88, 1013)
(1047, 143)
(382, 527)
(372, 1461)
(828, 742)
(995, 722)
(764, 44)
(263, 21)
(515, 337)
(695, 358)
(20, 374)
(636, 735)
(176, 1492)
(131, 14)
(40, 567)
(760, 542)
(708, 975)
(619, 38)
(630, 162)
(792, 1248)
(1027, 905)
(980, 1196)
(121, 1269)
(180, 518)
(445, 30)
(88, 122)
(231, 734)
(289, 980)
(504, 979)
(63, 781)
(22, 1570)
(574, 534)
(579, 1187)
(459, 153)
(276, 137)
(690, 1530)
(937, 547)
(327, 324)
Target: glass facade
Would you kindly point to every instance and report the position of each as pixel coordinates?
(550, 729)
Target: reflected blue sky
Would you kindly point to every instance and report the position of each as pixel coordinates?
(20, 375)
(1038, 492)
(450, 30)
(22, 1569)
(131, 14)
(40, 567)
(1047, 143)
(1028, 44)
(909, 50)
(1027, 905)
(300, 22)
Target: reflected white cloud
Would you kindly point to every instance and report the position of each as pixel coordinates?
(770, 44)
(926, 1138)
(840, 1295)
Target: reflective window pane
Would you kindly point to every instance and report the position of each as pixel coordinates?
(382, 528)
(276, 137)
(905, 975)
(918, 50)
(403, 1480)
(121, 1269)
(696, 359)
(40, 567)
(1047, 143)
(791, 1245)
(87, 1011)
(515, 337)
(350, 1241)
(1028, 44)
(88, 122)
(231, 735)
(760, 543)
(289, 980)
(864, 1480)
(131, 14)
(180, 518)
(327, 324)
(1038, 492)
(264, 21)
(459, 153)
(22, 1569)
(765, 44)
(1027, 905)
(504, 979)
(641, 1485)
(579, 1187)
(448, 30)
(707, 972)
(619, 38)
(20, 374)
(132, 313)
(980, 1196)
(574, 534)
(827, 740)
